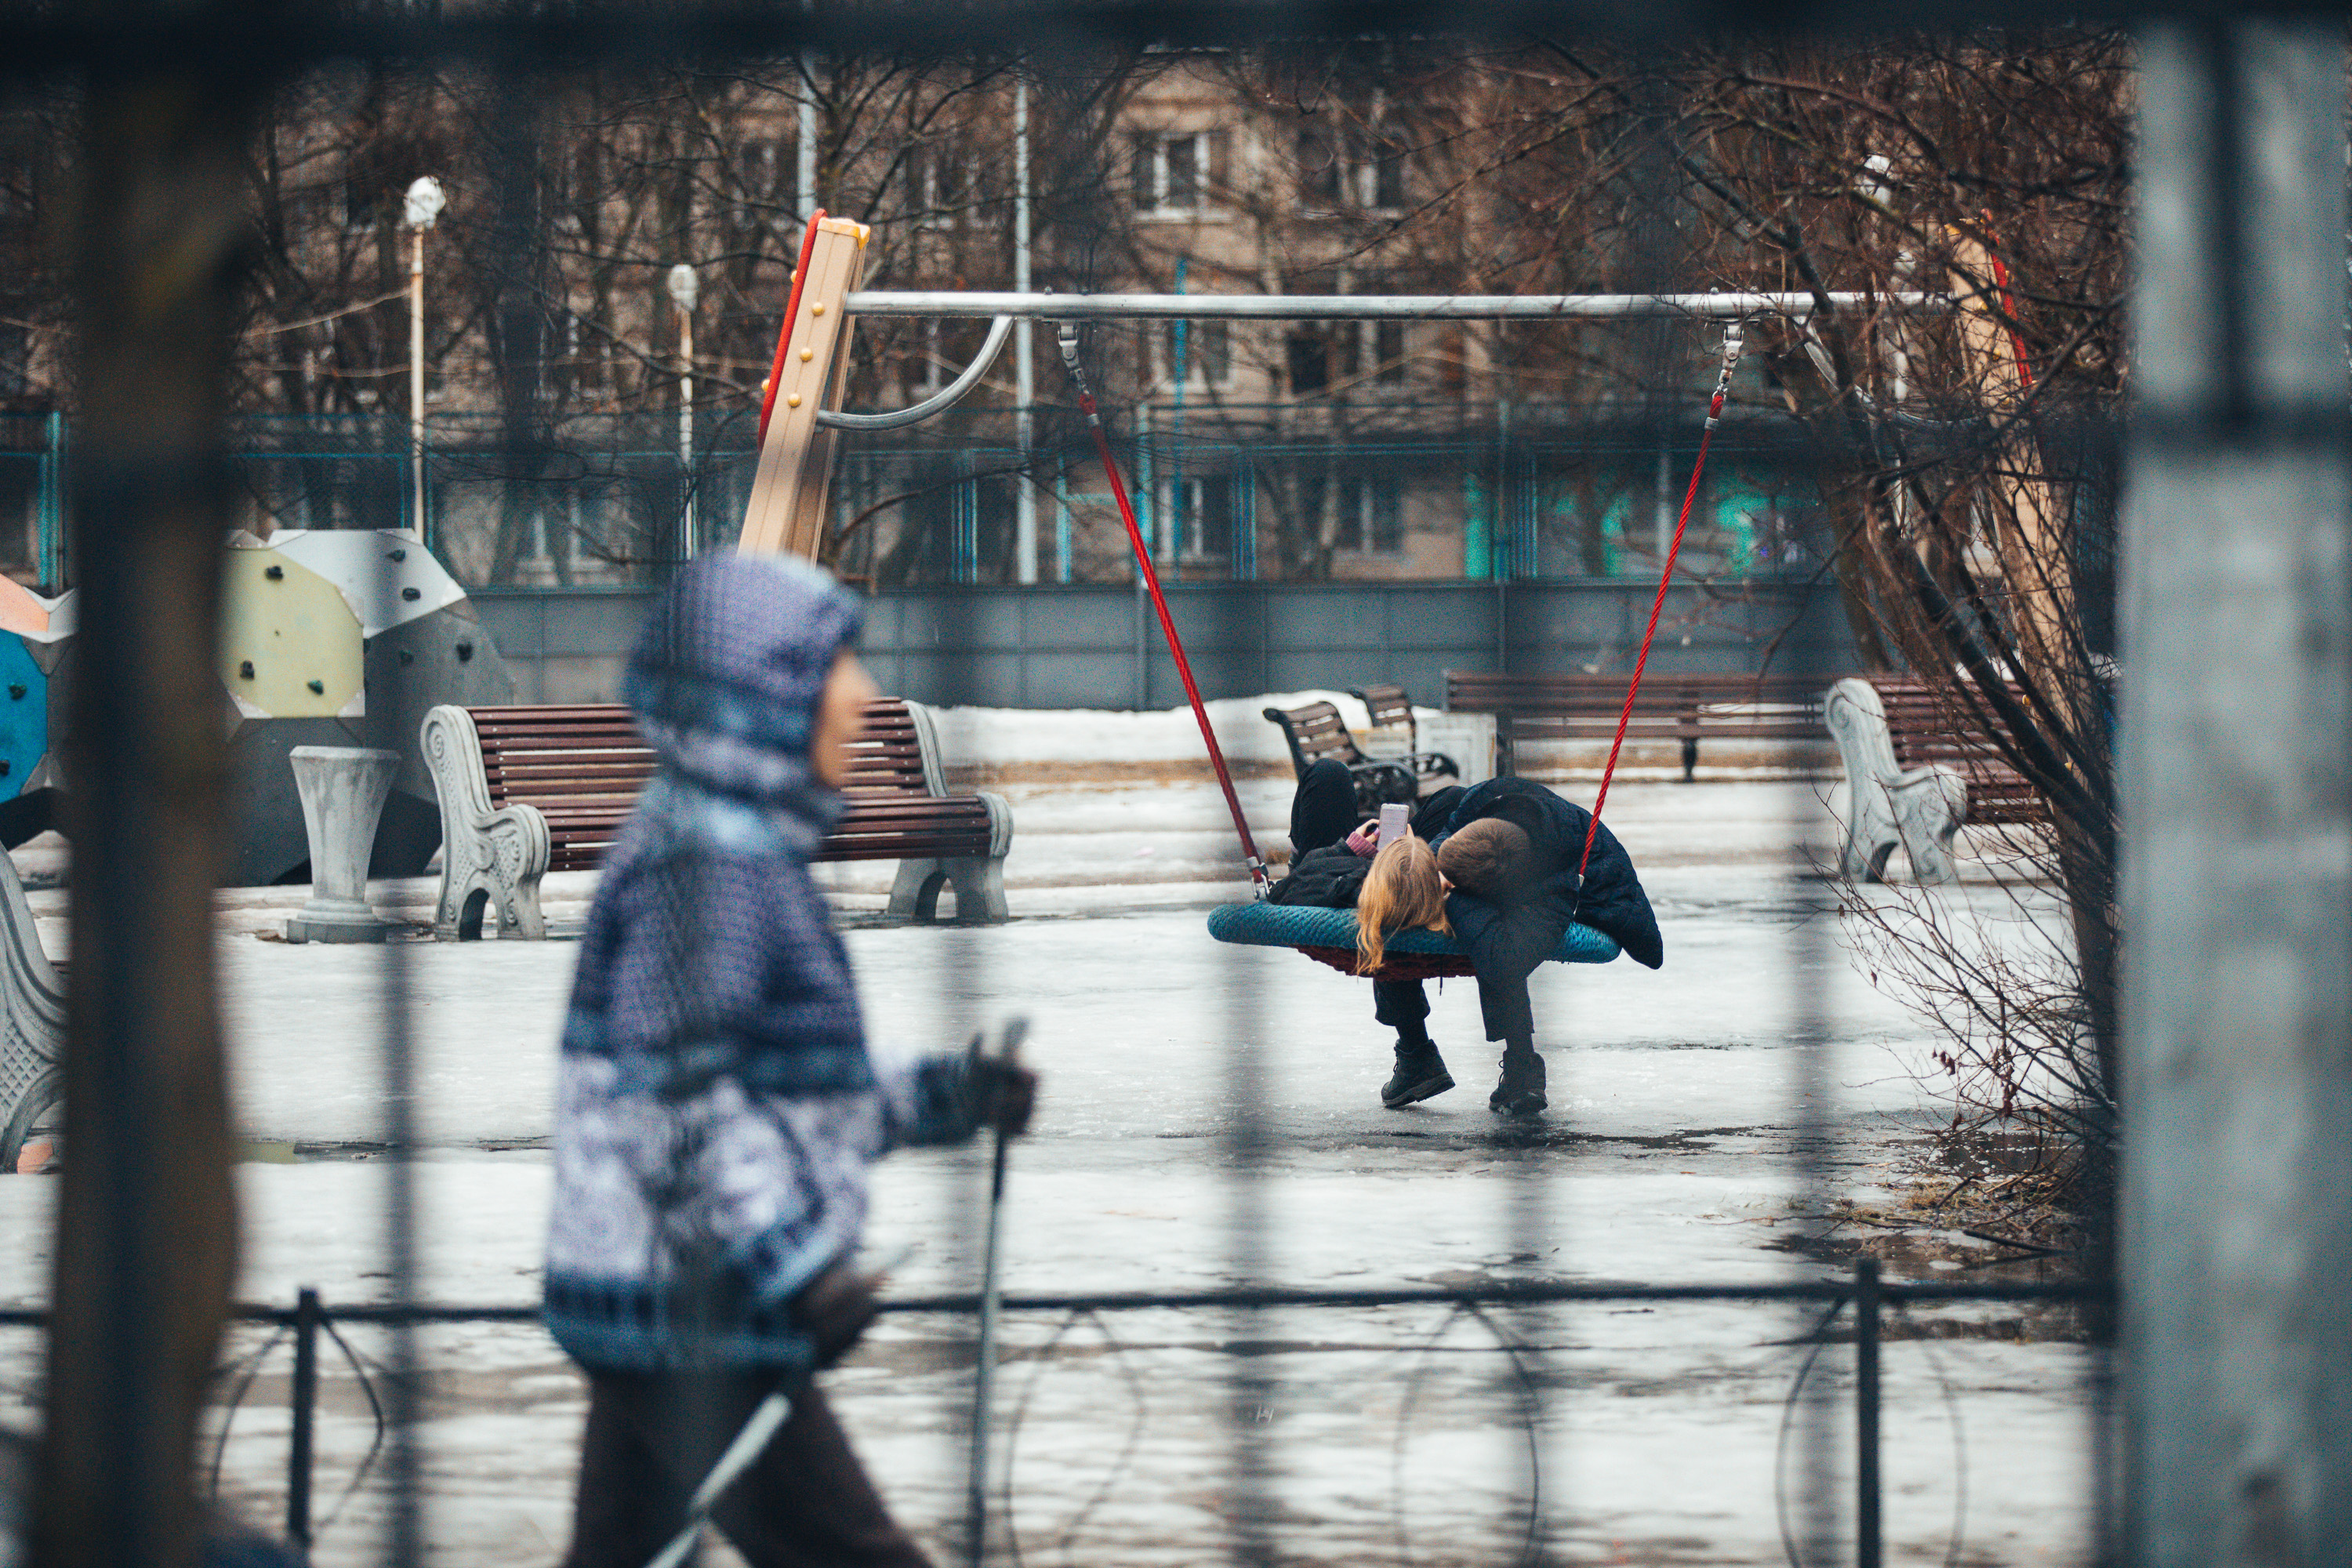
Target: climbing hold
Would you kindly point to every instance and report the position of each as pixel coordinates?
(273, 573)
(16, 689)
(406, 659)
(400, 555)
(793, 401)
(817, 309)
(318, 688)
(411, 593)
(465, 652)
(807, 354)
(245, 669)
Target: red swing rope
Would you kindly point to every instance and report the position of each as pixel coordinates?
(1731, 345)
(1070, 345)
(1069, 342)
(784, 338)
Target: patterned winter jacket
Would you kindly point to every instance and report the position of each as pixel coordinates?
(718, 1104)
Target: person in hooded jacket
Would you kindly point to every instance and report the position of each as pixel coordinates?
(717, 1102)
(1514, 889)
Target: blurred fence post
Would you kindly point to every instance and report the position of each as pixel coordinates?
(146, 1219)
(301, 1440)
(2237, 783)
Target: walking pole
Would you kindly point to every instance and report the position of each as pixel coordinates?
(758, 1432)
(990, 1298)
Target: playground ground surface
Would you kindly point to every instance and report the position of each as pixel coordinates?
(1706, 1120)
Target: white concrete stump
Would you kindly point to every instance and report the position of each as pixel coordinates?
(343, 789)
(1467, 738)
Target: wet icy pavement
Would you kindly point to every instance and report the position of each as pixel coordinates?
(1678, 1149)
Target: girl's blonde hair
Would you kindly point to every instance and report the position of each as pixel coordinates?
(1403, 890)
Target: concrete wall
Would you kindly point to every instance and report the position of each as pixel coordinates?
(1097, 647)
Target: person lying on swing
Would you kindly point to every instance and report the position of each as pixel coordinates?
(1504, 855)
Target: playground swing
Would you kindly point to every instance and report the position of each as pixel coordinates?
(797, 422)
(1328, 935)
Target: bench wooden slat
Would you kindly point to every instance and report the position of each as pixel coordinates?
(1930, 728)
(583, 765)
(1683, 708)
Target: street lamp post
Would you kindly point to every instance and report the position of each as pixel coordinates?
(424, 203)
(682, 288)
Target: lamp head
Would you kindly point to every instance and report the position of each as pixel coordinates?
(426, 200)
(683, 286)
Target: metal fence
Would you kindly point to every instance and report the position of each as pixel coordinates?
(605, 501)
(2234, 1367)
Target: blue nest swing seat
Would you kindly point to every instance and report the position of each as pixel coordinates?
(1328, 936)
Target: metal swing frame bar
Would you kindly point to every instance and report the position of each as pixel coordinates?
(1723, 306)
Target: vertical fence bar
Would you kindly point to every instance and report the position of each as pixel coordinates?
(305, 1401)
(1062, 522)
(2238, 652)
(53, 484)
(1869, 1535)
(145, 1226)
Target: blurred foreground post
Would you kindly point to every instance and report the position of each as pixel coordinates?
(146, 1225)
(2237, 783)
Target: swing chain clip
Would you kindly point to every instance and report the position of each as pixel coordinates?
(1261, 878)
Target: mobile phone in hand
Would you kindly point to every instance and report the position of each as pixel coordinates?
(1395, 816)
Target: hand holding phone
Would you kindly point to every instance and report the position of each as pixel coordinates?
(1395, 822)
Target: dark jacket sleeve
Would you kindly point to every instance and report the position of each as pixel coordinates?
(1326, 879)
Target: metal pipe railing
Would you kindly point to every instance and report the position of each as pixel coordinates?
(1370, 307)
(1863, 1290)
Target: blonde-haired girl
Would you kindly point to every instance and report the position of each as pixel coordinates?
(1403, 890)
(1392, 888)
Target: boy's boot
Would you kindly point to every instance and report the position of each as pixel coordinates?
(1520, 1092)
(1420, 1072)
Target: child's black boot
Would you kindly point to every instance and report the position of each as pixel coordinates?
(1520, 1092)
(1420, 1074)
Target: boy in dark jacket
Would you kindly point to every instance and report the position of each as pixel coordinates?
(1511, 925)
(717, 1104)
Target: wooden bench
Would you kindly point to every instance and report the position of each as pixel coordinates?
(526, 791)
(1681, 708)
(1389, 707)
(1316, 730)
(1918, 763)
(32, 1022)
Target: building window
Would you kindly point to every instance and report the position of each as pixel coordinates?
(1363, 170)
(1308, 355)
(1379, 171)
(582, 188)
(1176, 171)
(15, 358)
(1208, 354)
(762, 174)
(1371, 517)
(1388, 351)
(585, 360)
(1202, 510)
(363, 202)
(1318, 157)
(940, 184)
(16, 210)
